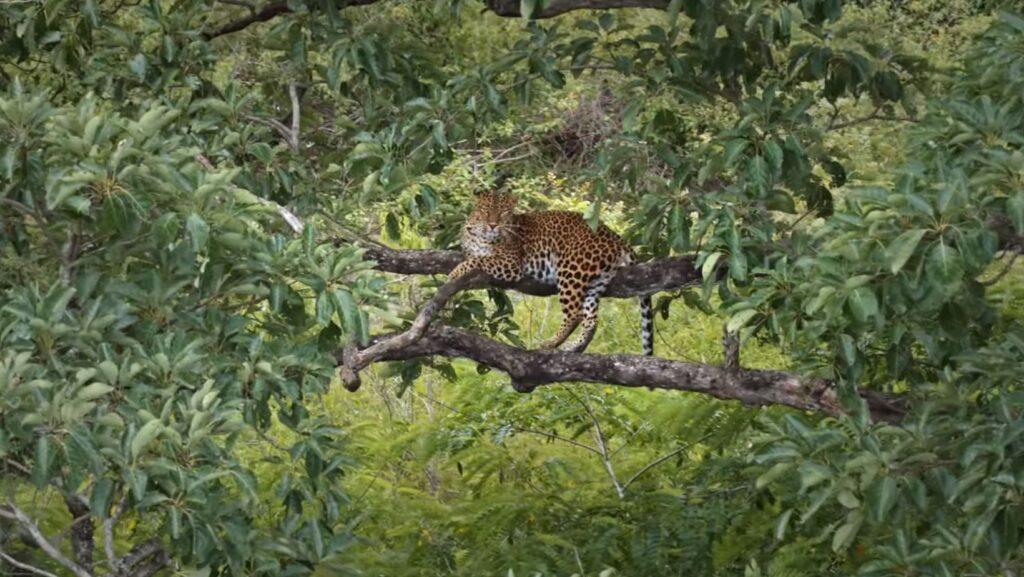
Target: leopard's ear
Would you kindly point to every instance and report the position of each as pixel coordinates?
(509, 200)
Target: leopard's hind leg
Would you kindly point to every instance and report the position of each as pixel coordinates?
(570, 296)
(591, 300)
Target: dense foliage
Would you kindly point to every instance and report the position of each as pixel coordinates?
(183, 211)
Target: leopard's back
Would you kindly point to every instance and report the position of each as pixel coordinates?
(553, 240)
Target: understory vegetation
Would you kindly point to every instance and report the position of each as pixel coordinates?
(189, 191)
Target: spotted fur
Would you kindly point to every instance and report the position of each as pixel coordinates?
(552, 247)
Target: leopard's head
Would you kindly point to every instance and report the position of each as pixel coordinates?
(492, 217)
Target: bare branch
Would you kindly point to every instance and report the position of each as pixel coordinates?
(108, 533)
(141, 556)
(555, 437)
(14, 512)
(530, 369)
(1006, 269)
(24, 566)
(356, 360)
(876, 115)
(293, 93)
(602, 448)
(662, 459)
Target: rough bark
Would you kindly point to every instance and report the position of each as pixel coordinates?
(530, 369)
(632, 281)
(552, 8)
(82, 531)
(268, 12)
(506, 8)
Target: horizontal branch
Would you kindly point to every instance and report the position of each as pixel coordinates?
(632, 281)
(552, 8)
(506, 8)
(530, 369)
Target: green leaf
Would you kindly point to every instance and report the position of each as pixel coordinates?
(146, 435)
(109, 370)
(863, 304)
(346, 305)
(783, 522)
(945, 265)
(811, 474)
(324, 309)
(769, 476)
(708, 268)
(844, 536)
(733, 149)
(673, 11)
(1015, 210)
(99, 501)
(902, 248)
(880, 498)
(740, 319)
(757, 174)
(1012, 19)
(738, 266)
(93, 391)
(774, 153)
(43, 461)
(526, 8)
(847, 499)
(198, 232)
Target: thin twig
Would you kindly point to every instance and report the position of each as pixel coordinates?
(662, 459)
(602, 447)
(24, 566)
(1002, 273)
(870, 117)
(559, 438)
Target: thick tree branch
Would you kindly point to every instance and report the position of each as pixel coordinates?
(530, 369)
(82, 531)
(631, 281)
(510, 8)
(268, 12)
(506, 8)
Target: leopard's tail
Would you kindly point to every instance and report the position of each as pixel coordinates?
(647, 325)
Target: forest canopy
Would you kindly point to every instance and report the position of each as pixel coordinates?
(228, 345)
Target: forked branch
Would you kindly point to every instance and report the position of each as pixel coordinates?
(530, 369)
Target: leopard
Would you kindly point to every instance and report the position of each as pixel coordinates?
(552, 247)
